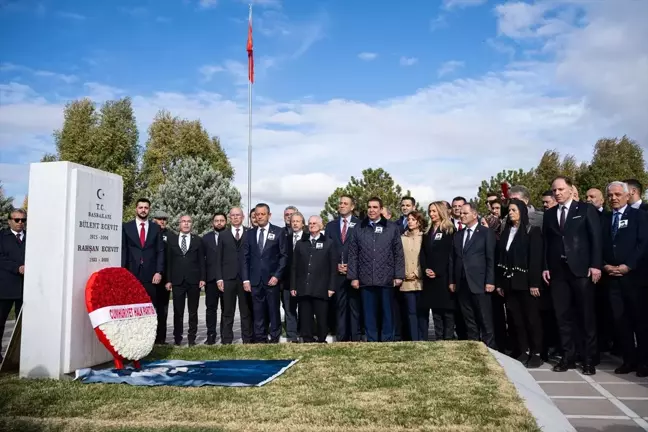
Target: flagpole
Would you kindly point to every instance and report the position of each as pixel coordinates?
(249, 185)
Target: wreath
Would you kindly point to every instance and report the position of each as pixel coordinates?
(121, 314)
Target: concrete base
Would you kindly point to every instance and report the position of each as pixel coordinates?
(547, 415)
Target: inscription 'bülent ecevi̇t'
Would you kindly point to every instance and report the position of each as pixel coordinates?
(104, 231)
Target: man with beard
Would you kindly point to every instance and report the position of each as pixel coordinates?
(143, 249)
(212, 261)
(162, 295)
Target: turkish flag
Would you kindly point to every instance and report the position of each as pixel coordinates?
(250, 50)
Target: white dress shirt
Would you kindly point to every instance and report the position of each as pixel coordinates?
(240, 233)
(265, 234)
(636, 205)
(620, 211)
(314, 238)
(511, 236)
(180, 235)
(469, 230)
(348, 219)
(296, 237)
(139, 223)
(567, 205)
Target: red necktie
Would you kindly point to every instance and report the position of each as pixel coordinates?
(238, 237)
(344, 229)
(142, 234)
(460, 226)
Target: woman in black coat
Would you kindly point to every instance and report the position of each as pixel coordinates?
(313, 279)
(435, 257)
(519, 278)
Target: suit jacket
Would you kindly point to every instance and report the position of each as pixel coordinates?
(212, 255)
(143, 262)
(334, 233)
(12, 256)
(476, 261)
(313, 268)
(258, 267)
(435, 255)
(400, 222)
(229, 254)
(630, 245)
(580, 243)
(287, 282)
(189, 267)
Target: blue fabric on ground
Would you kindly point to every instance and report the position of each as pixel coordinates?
(226, 373)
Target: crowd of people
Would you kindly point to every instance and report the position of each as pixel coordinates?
(569, 282)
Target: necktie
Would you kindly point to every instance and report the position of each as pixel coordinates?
(460, 226)
(183, 244)
(563, 215)
(19, 237)
(313, 241)
(238, 236)
(468, 233)
(295, 239)
(615, 224)
(142, 234)
(261, 239)
(344, 230)
(216, 238)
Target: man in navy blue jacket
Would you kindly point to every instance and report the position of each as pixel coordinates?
(263, 263)
(625, 267)
(347, 299)
(377, 265)
(143, 249)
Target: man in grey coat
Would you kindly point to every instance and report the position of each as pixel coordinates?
(376, 266)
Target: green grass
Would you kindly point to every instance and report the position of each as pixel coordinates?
(366, 387)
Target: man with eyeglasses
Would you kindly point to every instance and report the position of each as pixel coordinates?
(12, 266)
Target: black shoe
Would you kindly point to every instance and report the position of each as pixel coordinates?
(535, 361)
(563, 366)
(192, 342)
(211, 340)
(589, 369)
(625, 369)
(177, 342)
(642, 371)
(523, 358)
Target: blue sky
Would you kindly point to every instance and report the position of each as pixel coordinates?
(440, 93)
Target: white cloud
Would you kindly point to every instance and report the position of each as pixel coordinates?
(408, 61)
(71, 16)
(438, 22)
(449, 4)
(439, 141)
(208, 71)
(367, 56)
(10, 67)
(449, 67)
(206, 4)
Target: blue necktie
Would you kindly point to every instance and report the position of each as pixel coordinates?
(615, 224)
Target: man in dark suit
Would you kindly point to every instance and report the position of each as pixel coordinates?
(313, 272)
(625, 268)
(573, 260)
(348, 301)
(472, 275)
(162, 296)
(186, 274)
(636, 194)
(230, 284)
(143, 249)
(12, 266)
(262, 267)
(407, 205)
(213, 294)
(289, 302)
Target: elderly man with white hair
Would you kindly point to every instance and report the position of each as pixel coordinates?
(625, 269)
(312, 276)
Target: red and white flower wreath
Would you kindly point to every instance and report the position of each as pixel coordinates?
(122, 314)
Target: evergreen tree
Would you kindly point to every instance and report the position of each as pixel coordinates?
(6, 205)
(374, 182)
(519, 177)
(193, 187)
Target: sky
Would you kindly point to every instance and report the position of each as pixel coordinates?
(440, 93)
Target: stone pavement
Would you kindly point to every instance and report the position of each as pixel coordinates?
(603, 402)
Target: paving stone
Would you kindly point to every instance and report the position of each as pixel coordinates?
(612, 377)
(570, 375)
(638, 406)
(623, 390)
(591, 425)
(570, 389)
(587, 407)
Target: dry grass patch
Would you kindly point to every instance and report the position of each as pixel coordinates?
(449, 386)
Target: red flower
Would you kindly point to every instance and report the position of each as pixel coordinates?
(114, 286)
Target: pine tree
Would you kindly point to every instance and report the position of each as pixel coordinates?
(193, 187)
(6, 205)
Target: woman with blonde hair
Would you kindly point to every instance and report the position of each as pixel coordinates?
(412, 285)
(435, 256)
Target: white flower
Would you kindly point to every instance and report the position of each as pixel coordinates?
(132, 338)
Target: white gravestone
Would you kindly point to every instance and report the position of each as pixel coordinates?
(75, 229)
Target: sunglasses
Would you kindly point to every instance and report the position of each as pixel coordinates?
(18, 220)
